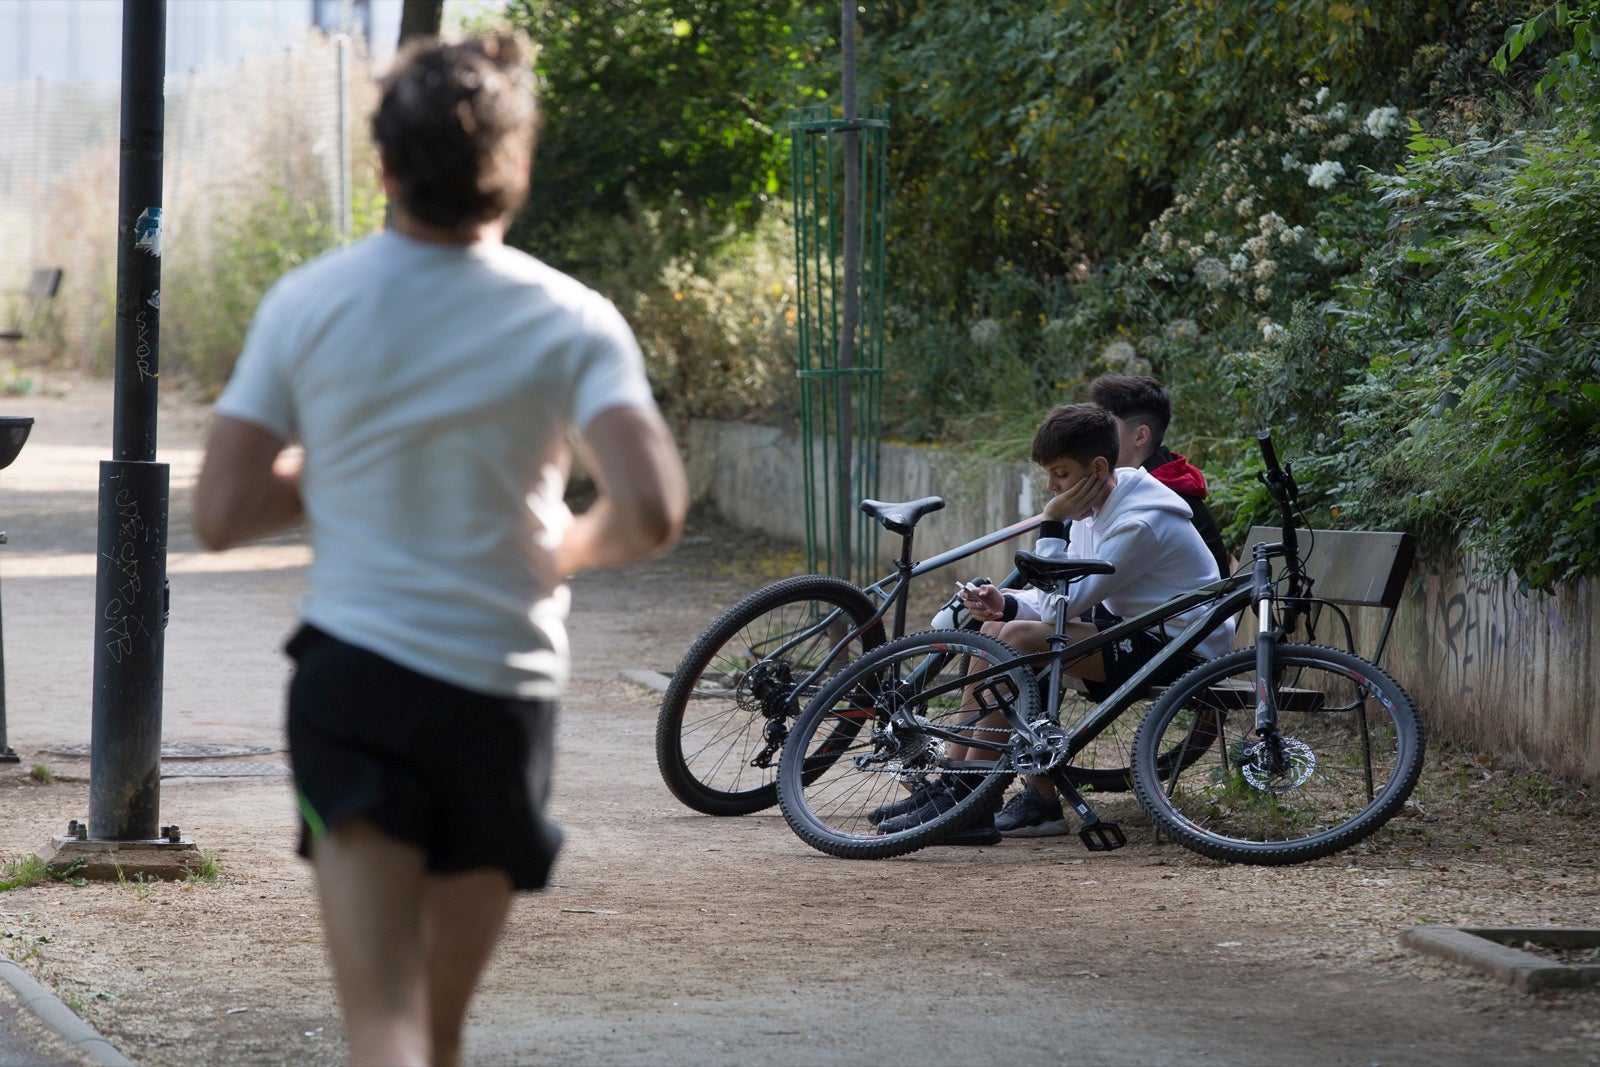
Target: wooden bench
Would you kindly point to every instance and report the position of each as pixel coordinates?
(1350, 569)
(42, 286)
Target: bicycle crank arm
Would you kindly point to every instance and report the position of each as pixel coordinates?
(1097, 834)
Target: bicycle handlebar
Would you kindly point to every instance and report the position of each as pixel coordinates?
(1269, 455)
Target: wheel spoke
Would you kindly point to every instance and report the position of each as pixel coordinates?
(730, 700)
(892, 721)
(1346, 753)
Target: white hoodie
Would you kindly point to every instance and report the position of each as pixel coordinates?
(1144, 531)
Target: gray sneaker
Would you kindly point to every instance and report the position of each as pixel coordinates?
(1030, 815)
(981, 832)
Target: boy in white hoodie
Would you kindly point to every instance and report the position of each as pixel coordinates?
(1118, 514)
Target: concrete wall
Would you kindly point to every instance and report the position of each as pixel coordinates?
(1507, 671)
(1489, 666)
(755, 478)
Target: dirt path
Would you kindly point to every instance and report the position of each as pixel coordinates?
(670, 937)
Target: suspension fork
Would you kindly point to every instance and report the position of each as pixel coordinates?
(1273, 759)
(1266, 645)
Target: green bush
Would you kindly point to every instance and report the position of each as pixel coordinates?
(664, 101)
(713, 307)
(1045, 135)
(1480, 415)
(210, 299)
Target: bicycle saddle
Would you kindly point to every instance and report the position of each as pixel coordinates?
(1046, 571)
(900, 518)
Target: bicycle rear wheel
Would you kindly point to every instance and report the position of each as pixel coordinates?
(887, 724)
(1348, 752)
(728, 705)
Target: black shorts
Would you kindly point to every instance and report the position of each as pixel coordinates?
(463, 776)
(1123, 659)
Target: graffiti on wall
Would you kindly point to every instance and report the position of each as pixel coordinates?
(1479, 635)
(1477, 631)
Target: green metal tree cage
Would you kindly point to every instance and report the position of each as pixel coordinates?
(839, 274)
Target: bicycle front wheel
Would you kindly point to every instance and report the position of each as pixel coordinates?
(728, 705)
(1347, 753)
(888, 728)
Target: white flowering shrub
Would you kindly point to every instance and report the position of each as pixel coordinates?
(984, 332)
(1277, 206)
(1275, 222)
(1382, 121)
(1325, 173)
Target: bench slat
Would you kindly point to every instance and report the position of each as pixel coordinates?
(42, 285)
(1237, 695)
(1362, 567)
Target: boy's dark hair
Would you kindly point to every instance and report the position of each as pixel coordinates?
(1134, 398)
(1077, 432)
(455, 125)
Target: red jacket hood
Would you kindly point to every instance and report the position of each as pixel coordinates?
(1181, 476)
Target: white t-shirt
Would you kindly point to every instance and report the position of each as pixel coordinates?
(434, 387)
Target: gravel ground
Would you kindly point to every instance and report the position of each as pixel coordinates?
(670, 937)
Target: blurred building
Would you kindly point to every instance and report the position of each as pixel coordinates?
(81, 40)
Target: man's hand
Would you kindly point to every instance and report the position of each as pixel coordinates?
(644, 493)
(1080, 499)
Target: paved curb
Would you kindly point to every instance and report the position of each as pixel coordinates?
(60, 1019)
(1493, 950)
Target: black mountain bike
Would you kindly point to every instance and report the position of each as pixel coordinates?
(1272, 755)
(729, 704)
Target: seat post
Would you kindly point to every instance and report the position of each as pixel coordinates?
(903, 590)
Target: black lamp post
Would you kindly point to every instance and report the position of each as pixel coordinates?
(13, 435)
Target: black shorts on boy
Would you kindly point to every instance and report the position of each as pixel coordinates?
(461, 775)
(1123, 659)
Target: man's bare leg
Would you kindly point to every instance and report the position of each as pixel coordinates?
(371, 887)
(463, 914)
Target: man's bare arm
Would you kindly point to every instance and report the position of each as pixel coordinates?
(644, 492)
(247, 487)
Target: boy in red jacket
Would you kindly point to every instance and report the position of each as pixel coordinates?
(1144, 408)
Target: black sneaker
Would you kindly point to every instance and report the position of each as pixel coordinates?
(982, 832)
(910, 802)
(940, 799)
(1030, 815)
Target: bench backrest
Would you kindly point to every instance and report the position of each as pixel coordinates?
(42, 286)
(1365, 568)
(43, 283)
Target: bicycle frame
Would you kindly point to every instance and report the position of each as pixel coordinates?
(1227, 597)
(892, 591)
(1050, 748)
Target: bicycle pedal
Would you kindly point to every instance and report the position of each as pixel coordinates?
(1102, 836)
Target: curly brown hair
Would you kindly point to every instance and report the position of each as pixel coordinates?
(456, 124)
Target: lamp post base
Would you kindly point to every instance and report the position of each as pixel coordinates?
(169, 858)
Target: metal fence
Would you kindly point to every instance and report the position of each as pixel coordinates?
(282, 123)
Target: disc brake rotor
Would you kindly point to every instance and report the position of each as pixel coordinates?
(1301, 765)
